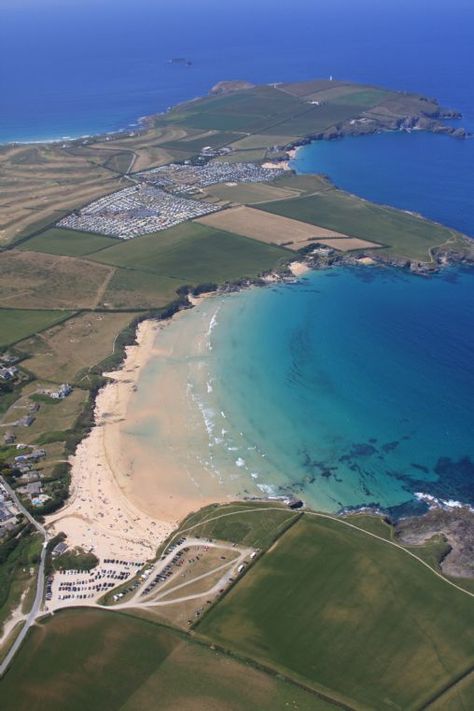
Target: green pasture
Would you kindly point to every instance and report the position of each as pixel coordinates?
(70, 243)
(350, 615)
(95, 660)
(403, 234)
(16, 324)
(194, 253)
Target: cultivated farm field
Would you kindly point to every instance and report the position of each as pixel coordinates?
(403, 234)
(194, 253)
(324, 593)
(101, 660)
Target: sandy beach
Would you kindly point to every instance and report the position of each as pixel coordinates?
(99, 516)
(126, 500)
(299, 268)
(165, 466)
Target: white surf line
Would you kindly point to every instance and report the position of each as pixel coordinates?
(338, 520)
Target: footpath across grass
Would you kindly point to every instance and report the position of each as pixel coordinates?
(350, 615)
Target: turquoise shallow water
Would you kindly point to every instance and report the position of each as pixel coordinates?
(350, 387)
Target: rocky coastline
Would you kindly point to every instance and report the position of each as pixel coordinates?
(368, 124)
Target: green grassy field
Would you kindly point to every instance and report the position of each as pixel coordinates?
(255, 155)
(119, 162)
(243, 523)
(67, 242)
(311, 86)
(269, 110)
(194, 254)
(136, 289)
(250, 193)
(404, 234)
(363, 99)
(16, 324)
(348, 614)
(305, 184)
(313, 119)
(459, 698)
(195, 145)
(248, 110)
(88, 659)
(262, 141)
(373, 524)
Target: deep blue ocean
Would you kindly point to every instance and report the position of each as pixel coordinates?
(73, 67)
(357, 383)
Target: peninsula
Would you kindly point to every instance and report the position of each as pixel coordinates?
(102, 241)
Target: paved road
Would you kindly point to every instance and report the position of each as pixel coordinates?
(24, 511)
(33, 614)
(35, 609)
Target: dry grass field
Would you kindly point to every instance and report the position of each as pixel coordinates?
(146, 148)
(348, 244)
(51, 420)
(262, 226)
(39, 184)
(403, 234)
(44, 281)
(63, 352)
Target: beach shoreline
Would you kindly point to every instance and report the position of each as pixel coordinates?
(109, 509)
(98, 515)
(114, 509)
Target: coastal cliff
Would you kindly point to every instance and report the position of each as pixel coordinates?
(453, 527)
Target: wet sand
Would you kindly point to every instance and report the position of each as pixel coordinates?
(129, 492)
(99, 516)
